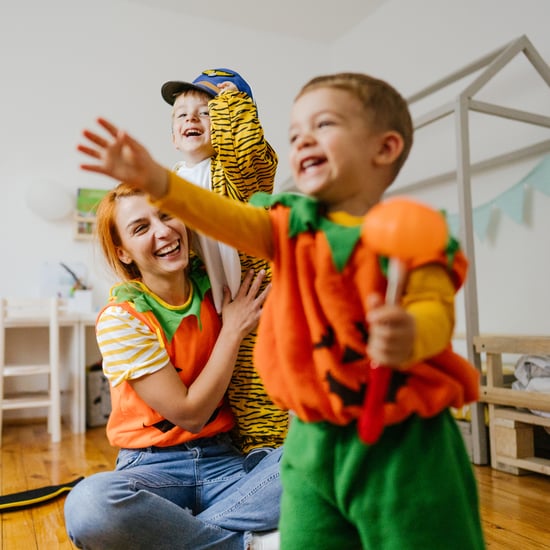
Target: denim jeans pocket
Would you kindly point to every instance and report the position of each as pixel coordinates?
(127, 458)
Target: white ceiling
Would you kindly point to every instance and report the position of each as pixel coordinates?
(316, 20)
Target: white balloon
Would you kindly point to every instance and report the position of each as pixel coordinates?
(49, 200)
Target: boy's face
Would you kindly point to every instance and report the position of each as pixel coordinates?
(191, 127)
(331, 150)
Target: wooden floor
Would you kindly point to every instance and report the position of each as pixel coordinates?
(515, 510)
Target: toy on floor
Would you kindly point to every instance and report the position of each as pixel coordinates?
(33, 497)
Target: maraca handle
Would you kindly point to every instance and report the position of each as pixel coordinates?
(371, 420)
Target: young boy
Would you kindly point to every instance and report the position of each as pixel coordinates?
(324, 326)
(216, 128)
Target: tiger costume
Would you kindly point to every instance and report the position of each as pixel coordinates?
(243, 164)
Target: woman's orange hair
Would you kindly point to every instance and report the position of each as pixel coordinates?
(107, 232)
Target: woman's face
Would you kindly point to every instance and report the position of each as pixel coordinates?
(156, 242)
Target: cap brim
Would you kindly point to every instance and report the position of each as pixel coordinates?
(171, 90)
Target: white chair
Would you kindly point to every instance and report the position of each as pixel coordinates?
(21, 313)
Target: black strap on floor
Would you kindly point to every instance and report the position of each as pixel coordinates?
(34, 497)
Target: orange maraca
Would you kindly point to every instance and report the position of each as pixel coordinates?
(402, 230)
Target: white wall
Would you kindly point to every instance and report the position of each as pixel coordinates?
(415, 43)
(66, 61)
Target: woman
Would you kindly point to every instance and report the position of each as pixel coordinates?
(178, 482)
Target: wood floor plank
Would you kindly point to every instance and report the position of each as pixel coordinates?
(17, 527)
(515, 510)
(42, 468)
(29, 460)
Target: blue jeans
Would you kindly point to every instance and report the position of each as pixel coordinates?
(194, 496)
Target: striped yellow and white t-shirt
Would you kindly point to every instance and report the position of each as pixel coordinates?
(130, 349)
(138, 334)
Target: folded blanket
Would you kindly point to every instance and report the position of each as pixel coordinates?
(532, 373)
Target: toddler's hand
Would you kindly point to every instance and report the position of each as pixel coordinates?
(391, 332)
(123, 158)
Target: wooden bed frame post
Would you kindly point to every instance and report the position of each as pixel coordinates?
(488, 65)
(480, 453)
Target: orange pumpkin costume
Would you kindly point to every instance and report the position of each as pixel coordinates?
(319, 368)
(414, 486)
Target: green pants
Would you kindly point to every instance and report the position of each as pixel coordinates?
(413, 490)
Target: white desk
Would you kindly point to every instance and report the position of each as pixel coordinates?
(88, 353)
(77, 350)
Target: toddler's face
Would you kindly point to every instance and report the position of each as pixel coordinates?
(331, 148)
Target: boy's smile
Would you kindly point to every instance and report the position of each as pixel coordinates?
(332, 148)
(191, 127)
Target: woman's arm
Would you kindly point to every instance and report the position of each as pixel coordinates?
(190, 407)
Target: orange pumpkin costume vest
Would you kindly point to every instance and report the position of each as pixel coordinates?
(132, 423)
(311, 348)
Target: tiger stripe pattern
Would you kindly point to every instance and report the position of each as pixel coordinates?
(245, 163)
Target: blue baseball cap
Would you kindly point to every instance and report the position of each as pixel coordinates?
(207, 82)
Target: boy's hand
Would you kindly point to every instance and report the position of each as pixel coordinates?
(122, 158)
(391, 332)
(227, 85)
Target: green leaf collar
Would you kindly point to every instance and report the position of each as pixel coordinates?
(169, 317)
(308, 214)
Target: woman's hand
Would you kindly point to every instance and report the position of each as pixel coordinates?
(242, 314)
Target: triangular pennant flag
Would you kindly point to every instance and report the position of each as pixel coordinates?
(539, 177)
(482, 218)
(512, 201)
(454, 224)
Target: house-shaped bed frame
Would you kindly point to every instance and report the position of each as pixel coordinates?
(460, 108)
